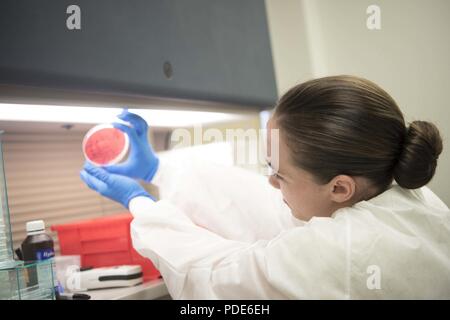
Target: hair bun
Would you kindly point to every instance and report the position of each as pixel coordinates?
(418, 159)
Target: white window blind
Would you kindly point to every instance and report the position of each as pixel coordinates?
(42, 177)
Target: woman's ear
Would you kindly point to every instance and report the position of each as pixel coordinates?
(342, 188)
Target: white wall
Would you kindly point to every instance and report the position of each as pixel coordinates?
(409, 56)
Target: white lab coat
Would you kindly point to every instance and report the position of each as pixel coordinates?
(224, 233)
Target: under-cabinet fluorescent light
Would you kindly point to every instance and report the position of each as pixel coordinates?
(66, 114)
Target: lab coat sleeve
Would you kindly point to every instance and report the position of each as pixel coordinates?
(233, 202)
(198, 264)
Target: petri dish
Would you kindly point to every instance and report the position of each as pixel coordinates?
(105, 145)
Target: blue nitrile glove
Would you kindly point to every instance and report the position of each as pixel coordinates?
(113, 186)
(142, 162)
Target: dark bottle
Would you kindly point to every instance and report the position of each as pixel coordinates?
(37, 246)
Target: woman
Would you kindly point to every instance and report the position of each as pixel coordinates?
(338, 229)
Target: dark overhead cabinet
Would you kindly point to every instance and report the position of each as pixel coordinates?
(210, 50)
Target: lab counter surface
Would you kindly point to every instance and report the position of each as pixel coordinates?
(151, 290)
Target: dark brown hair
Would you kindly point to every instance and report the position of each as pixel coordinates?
(349, 125)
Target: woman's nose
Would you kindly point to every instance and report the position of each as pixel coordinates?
(274, 182)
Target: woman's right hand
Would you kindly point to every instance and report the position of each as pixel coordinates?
(142, 162)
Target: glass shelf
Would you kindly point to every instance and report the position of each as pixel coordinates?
(19, 281)
(28, 282)
(6, 252)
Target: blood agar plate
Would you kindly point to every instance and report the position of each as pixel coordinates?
(105, 145)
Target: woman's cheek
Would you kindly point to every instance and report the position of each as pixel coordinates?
(289, 196)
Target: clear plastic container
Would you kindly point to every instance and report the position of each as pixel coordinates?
(65, 267)
(105, 145)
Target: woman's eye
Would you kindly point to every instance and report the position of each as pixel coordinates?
(278, 176)
(272, 172)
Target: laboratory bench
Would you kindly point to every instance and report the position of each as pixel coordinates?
(151, 290)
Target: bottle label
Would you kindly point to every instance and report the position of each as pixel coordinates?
(44, 254)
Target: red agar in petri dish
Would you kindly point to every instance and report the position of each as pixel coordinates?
(105, 145)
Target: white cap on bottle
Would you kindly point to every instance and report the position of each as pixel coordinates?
(36, 226)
